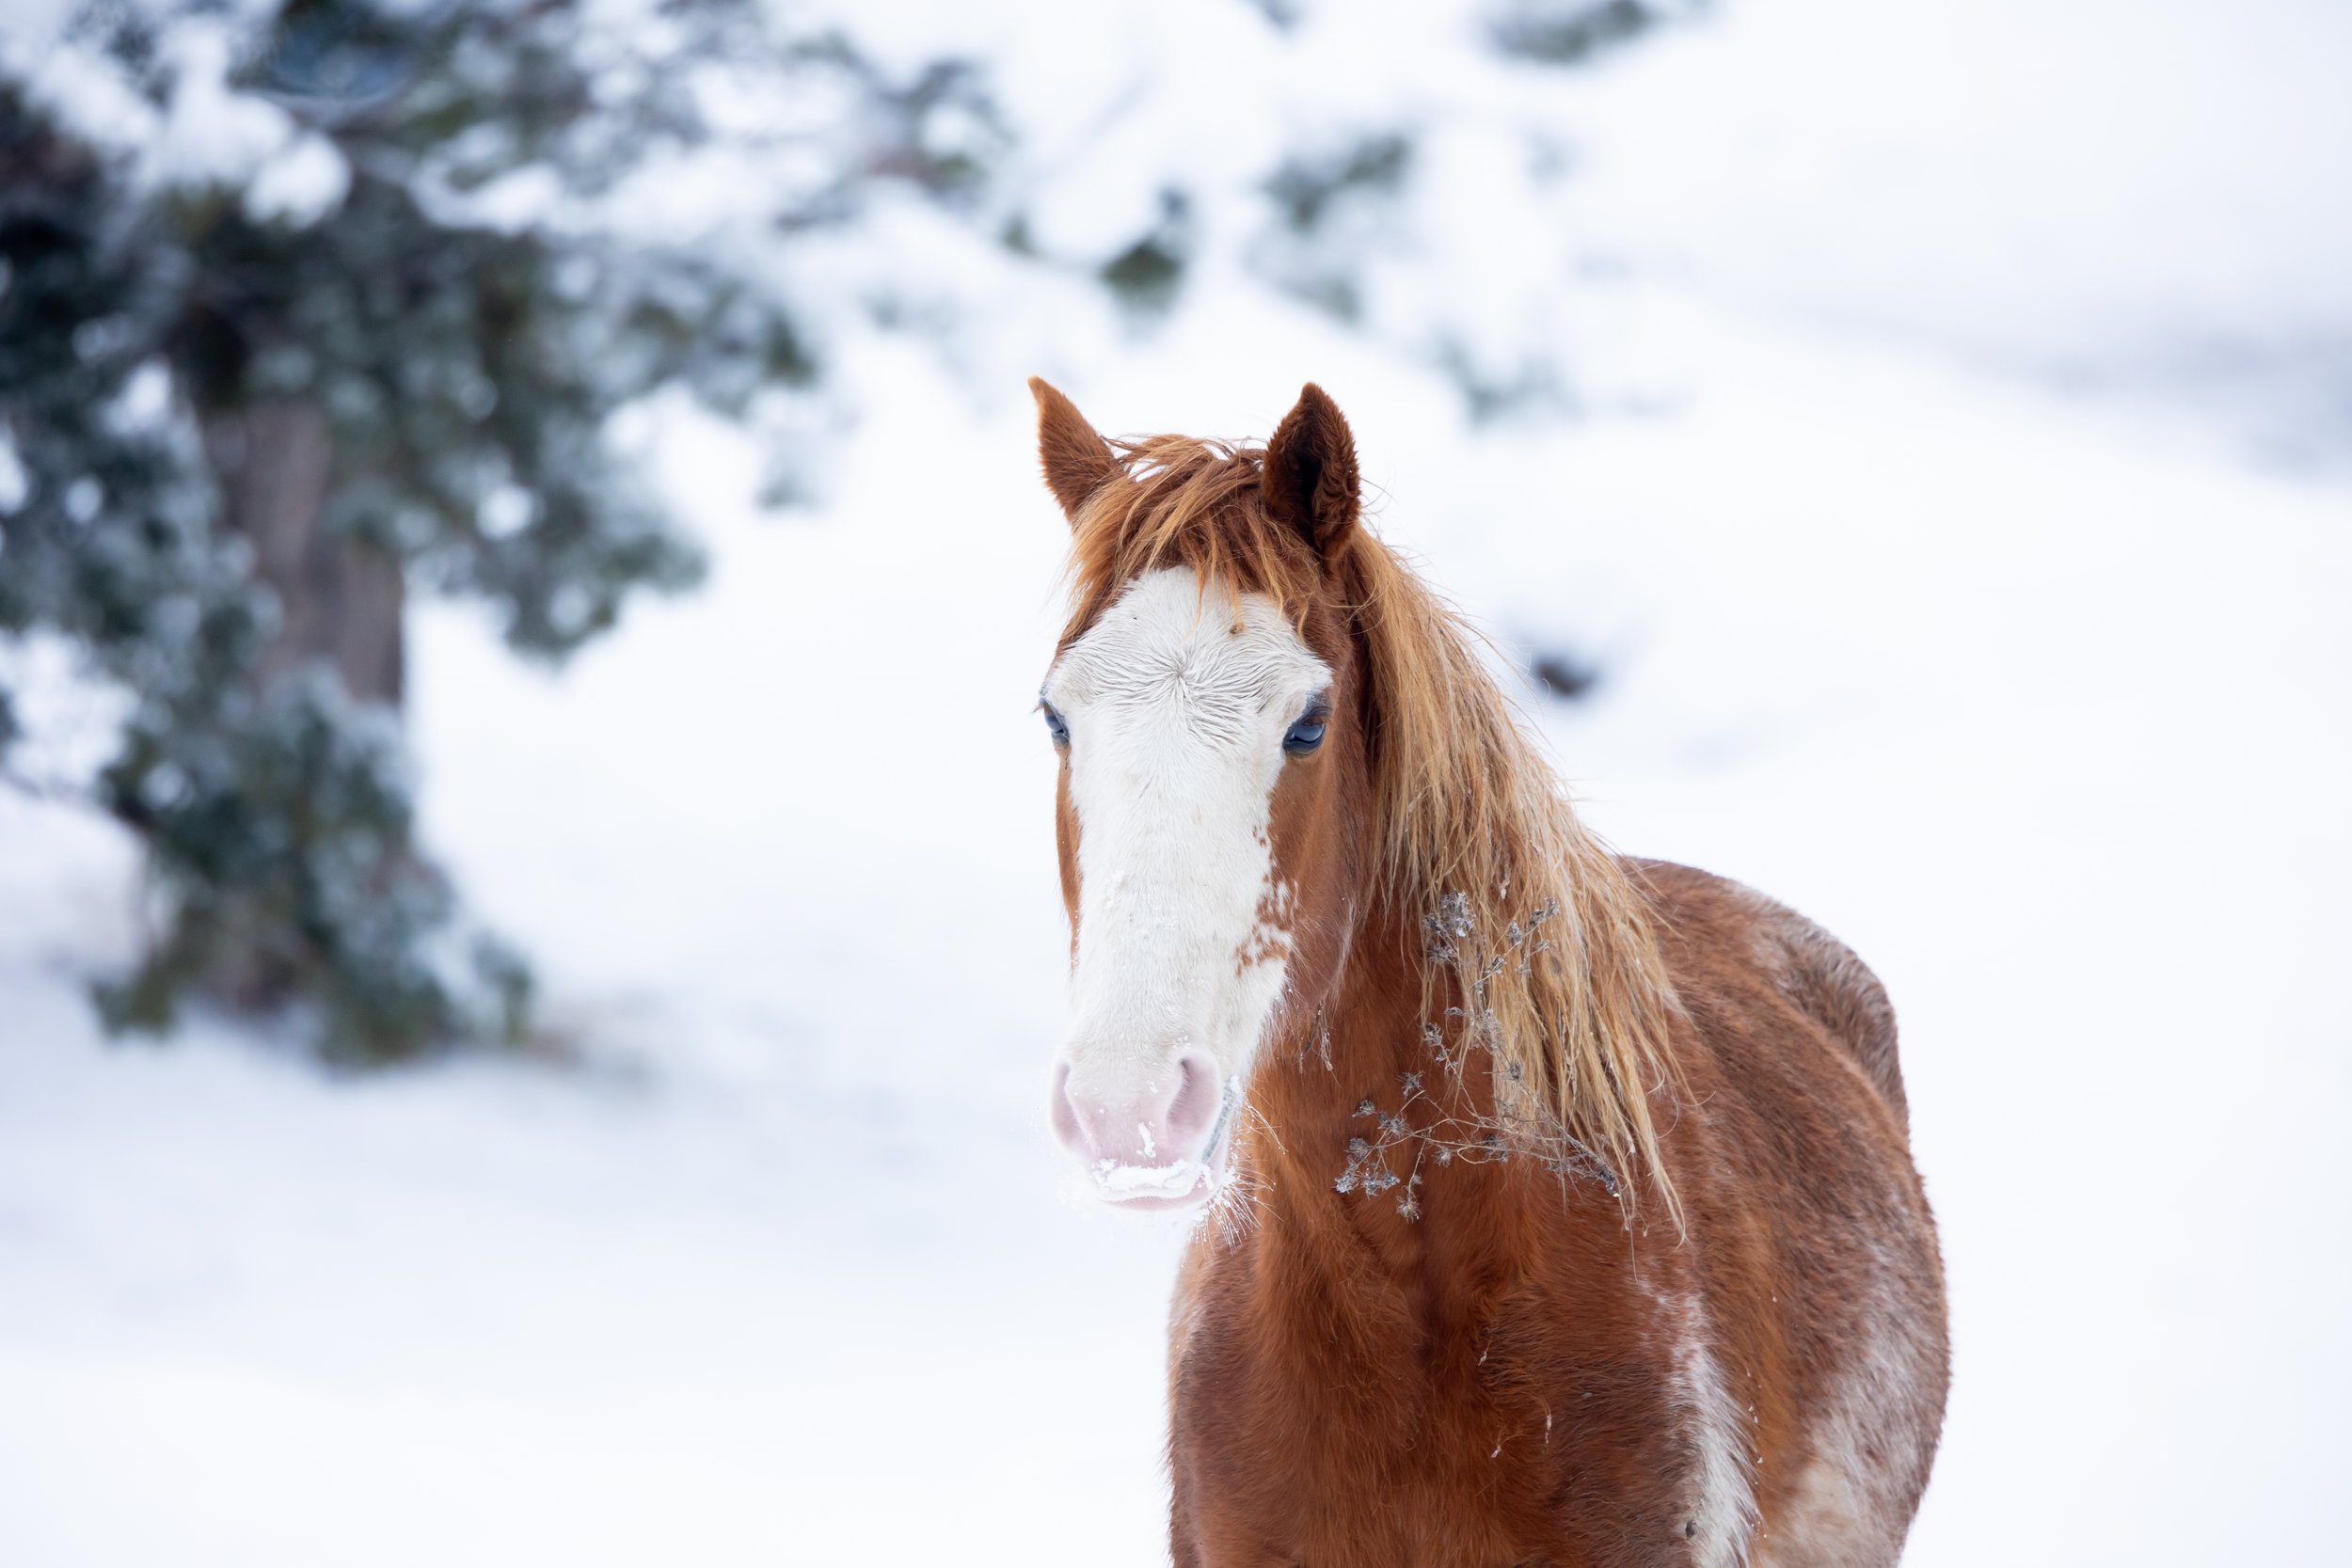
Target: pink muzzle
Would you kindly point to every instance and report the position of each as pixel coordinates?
(1156, 1150)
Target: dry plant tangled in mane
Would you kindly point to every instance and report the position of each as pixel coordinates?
(1539, 954)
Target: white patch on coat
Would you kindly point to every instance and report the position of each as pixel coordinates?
(1720, 1432)
(1827, 1524)
(1873, 1442)
(1177, 704)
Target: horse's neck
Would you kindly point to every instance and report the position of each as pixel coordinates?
(1364, 1126)
(1359, 1043)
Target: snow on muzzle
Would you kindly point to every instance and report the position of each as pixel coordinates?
(1158, 1143)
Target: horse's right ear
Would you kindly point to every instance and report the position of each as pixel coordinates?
(1077, 460)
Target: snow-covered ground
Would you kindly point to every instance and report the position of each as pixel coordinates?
(1935, 589)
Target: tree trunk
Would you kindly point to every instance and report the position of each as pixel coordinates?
(339, 600)
(339, 604)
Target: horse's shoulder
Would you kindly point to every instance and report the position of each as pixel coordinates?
(1710, 920)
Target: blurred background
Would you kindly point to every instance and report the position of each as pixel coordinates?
(529, 942)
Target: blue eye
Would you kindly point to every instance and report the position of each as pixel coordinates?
(1055, 725)
(1306, 734)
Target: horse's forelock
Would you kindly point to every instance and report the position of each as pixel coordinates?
(1179, 500)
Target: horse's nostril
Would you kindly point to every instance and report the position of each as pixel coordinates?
(1193, 1112)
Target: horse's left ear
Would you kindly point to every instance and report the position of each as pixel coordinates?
(1310, 481)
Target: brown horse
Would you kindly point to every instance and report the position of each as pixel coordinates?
(1562, 1208)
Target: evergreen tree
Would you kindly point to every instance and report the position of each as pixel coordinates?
(274, 346)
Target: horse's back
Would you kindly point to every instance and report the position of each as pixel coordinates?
(1808, 1212)
(1820, 975)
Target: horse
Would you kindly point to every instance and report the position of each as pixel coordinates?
(1557, 1208)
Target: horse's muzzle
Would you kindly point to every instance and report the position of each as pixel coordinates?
(1157, 1149)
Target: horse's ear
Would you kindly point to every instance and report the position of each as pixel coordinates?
(1077, 460)
(1310, 481)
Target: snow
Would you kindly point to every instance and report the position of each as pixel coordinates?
(1934, 590)
(1124, 1181)
(83, 91)
(208, 134)
(212, 133)
(299, 183)
(506, 511)
(2103, 180)
(14, 487)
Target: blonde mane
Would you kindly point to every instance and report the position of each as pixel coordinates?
(1540, 955)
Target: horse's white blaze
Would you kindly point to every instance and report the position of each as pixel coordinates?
(1177, 705)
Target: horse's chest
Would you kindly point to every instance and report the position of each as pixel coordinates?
(1369, 1433)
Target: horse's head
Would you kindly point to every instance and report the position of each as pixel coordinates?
(1213, 809)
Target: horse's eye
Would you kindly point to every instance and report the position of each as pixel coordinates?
(1056, 724)
(1306, 734)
